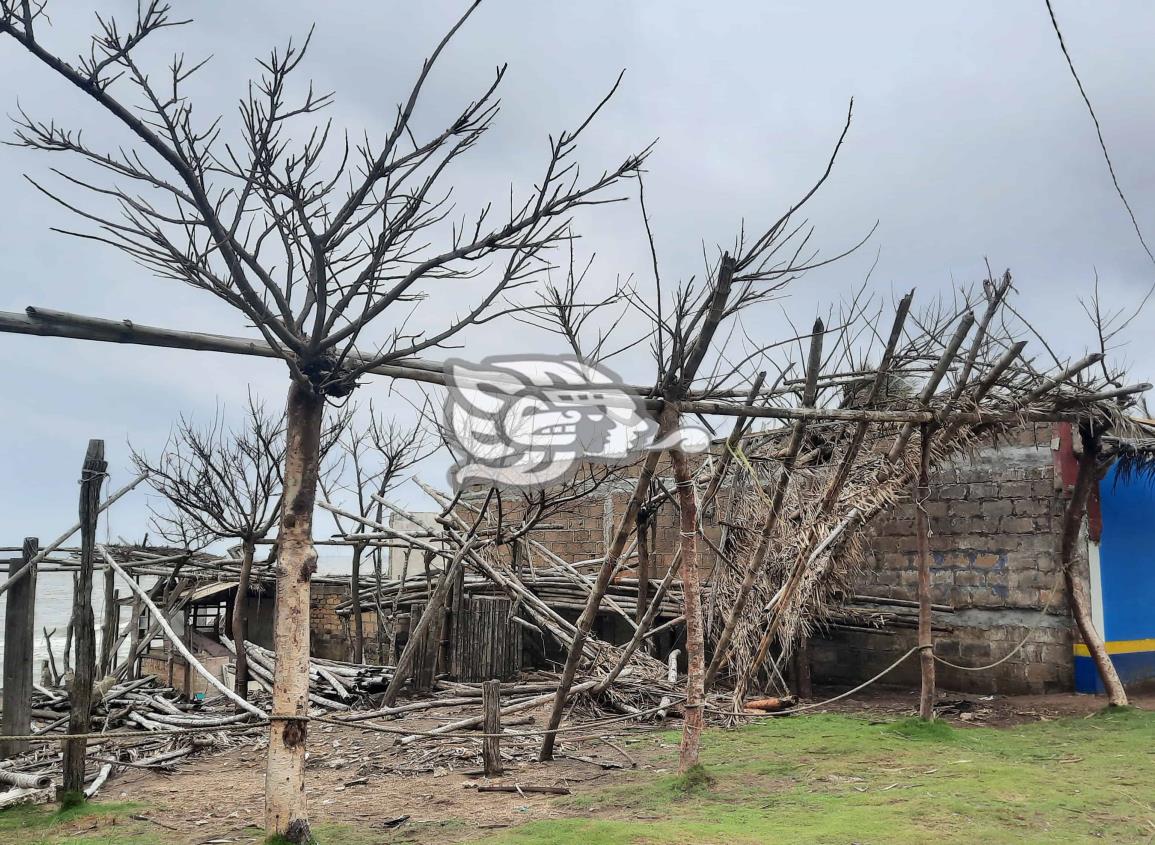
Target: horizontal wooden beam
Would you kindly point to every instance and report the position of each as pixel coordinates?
(49, 323)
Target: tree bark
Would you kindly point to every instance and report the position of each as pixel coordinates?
(80, 696)
(1076, 591)
(240, 621)
(922, 535)
(355, 610)
(286, 810)
(695, 646)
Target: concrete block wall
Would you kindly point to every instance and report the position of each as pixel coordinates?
(995, 519)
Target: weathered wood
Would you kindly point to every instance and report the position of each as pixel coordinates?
(488, 640)
(695, 720)
(418, 635)
(757, 562)
(491, 744)
(24, 780)
(109, 624)
(1085, 482)
(542, 790)
(19, 637)
(190, 659)
(922, 535)
(47, 323)
(79, 722)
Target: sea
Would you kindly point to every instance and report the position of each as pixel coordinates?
(54, 606)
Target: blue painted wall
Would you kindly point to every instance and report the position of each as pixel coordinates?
(1127, 563)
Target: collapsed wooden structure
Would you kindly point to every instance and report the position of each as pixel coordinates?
(781, 521)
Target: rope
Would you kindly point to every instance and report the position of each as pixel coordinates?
(1030, 633)
(803, 707)
(201, 729)
(742, 459)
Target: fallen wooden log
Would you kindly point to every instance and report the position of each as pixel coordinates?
(22, 780)
(521, 790)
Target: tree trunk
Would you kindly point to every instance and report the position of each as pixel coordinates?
(586, 621)
(922, 535)
(80, 695)
(355, 611)
(695, 647)
(240, 621)
(1076, 591)
(286, 811)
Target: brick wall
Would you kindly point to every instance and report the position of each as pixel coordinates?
(328, 631)
(995, 519)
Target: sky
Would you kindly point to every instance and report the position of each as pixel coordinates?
(969, 143)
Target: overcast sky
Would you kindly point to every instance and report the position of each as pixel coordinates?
(969, 142)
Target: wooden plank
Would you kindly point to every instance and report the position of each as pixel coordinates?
(19, 634)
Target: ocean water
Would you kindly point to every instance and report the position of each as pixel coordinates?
(54, 606)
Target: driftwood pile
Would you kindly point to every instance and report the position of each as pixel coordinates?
(121, 714)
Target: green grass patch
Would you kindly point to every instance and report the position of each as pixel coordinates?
(83, 824)
(837, 780)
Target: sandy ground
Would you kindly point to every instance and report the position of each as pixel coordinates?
(415, 795)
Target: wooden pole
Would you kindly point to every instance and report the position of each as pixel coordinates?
(695, 719)
(491, 745)
(109, 624)
(922, 532)
(80, 696)
(48, 323)
(19, 634)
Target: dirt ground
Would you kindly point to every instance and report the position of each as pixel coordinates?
(422, 796)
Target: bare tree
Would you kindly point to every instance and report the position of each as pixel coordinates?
(371, 461)
(226, 485)
(312, 241)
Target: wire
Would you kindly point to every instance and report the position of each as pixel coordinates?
(1098, 130)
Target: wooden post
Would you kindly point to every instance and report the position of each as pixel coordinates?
(80, 696)
(804, 688)
(922, 532)
(491, 745)
(109, 624)
(19, 632)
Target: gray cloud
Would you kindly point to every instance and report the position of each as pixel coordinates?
(969, 141)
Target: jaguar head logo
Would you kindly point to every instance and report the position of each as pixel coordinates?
(527, 422)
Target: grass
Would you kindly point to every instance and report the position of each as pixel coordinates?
(837, 780)
(84, 824)
(817, 780)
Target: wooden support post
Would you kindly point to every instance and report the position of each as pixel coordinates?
(804, 687)
(922, 532)
(491, 745)
(19, 633)
(108, 623)
(79, 720)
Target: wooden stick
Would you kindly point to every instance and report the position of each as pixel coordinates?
(920, 496)
(158, 618)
